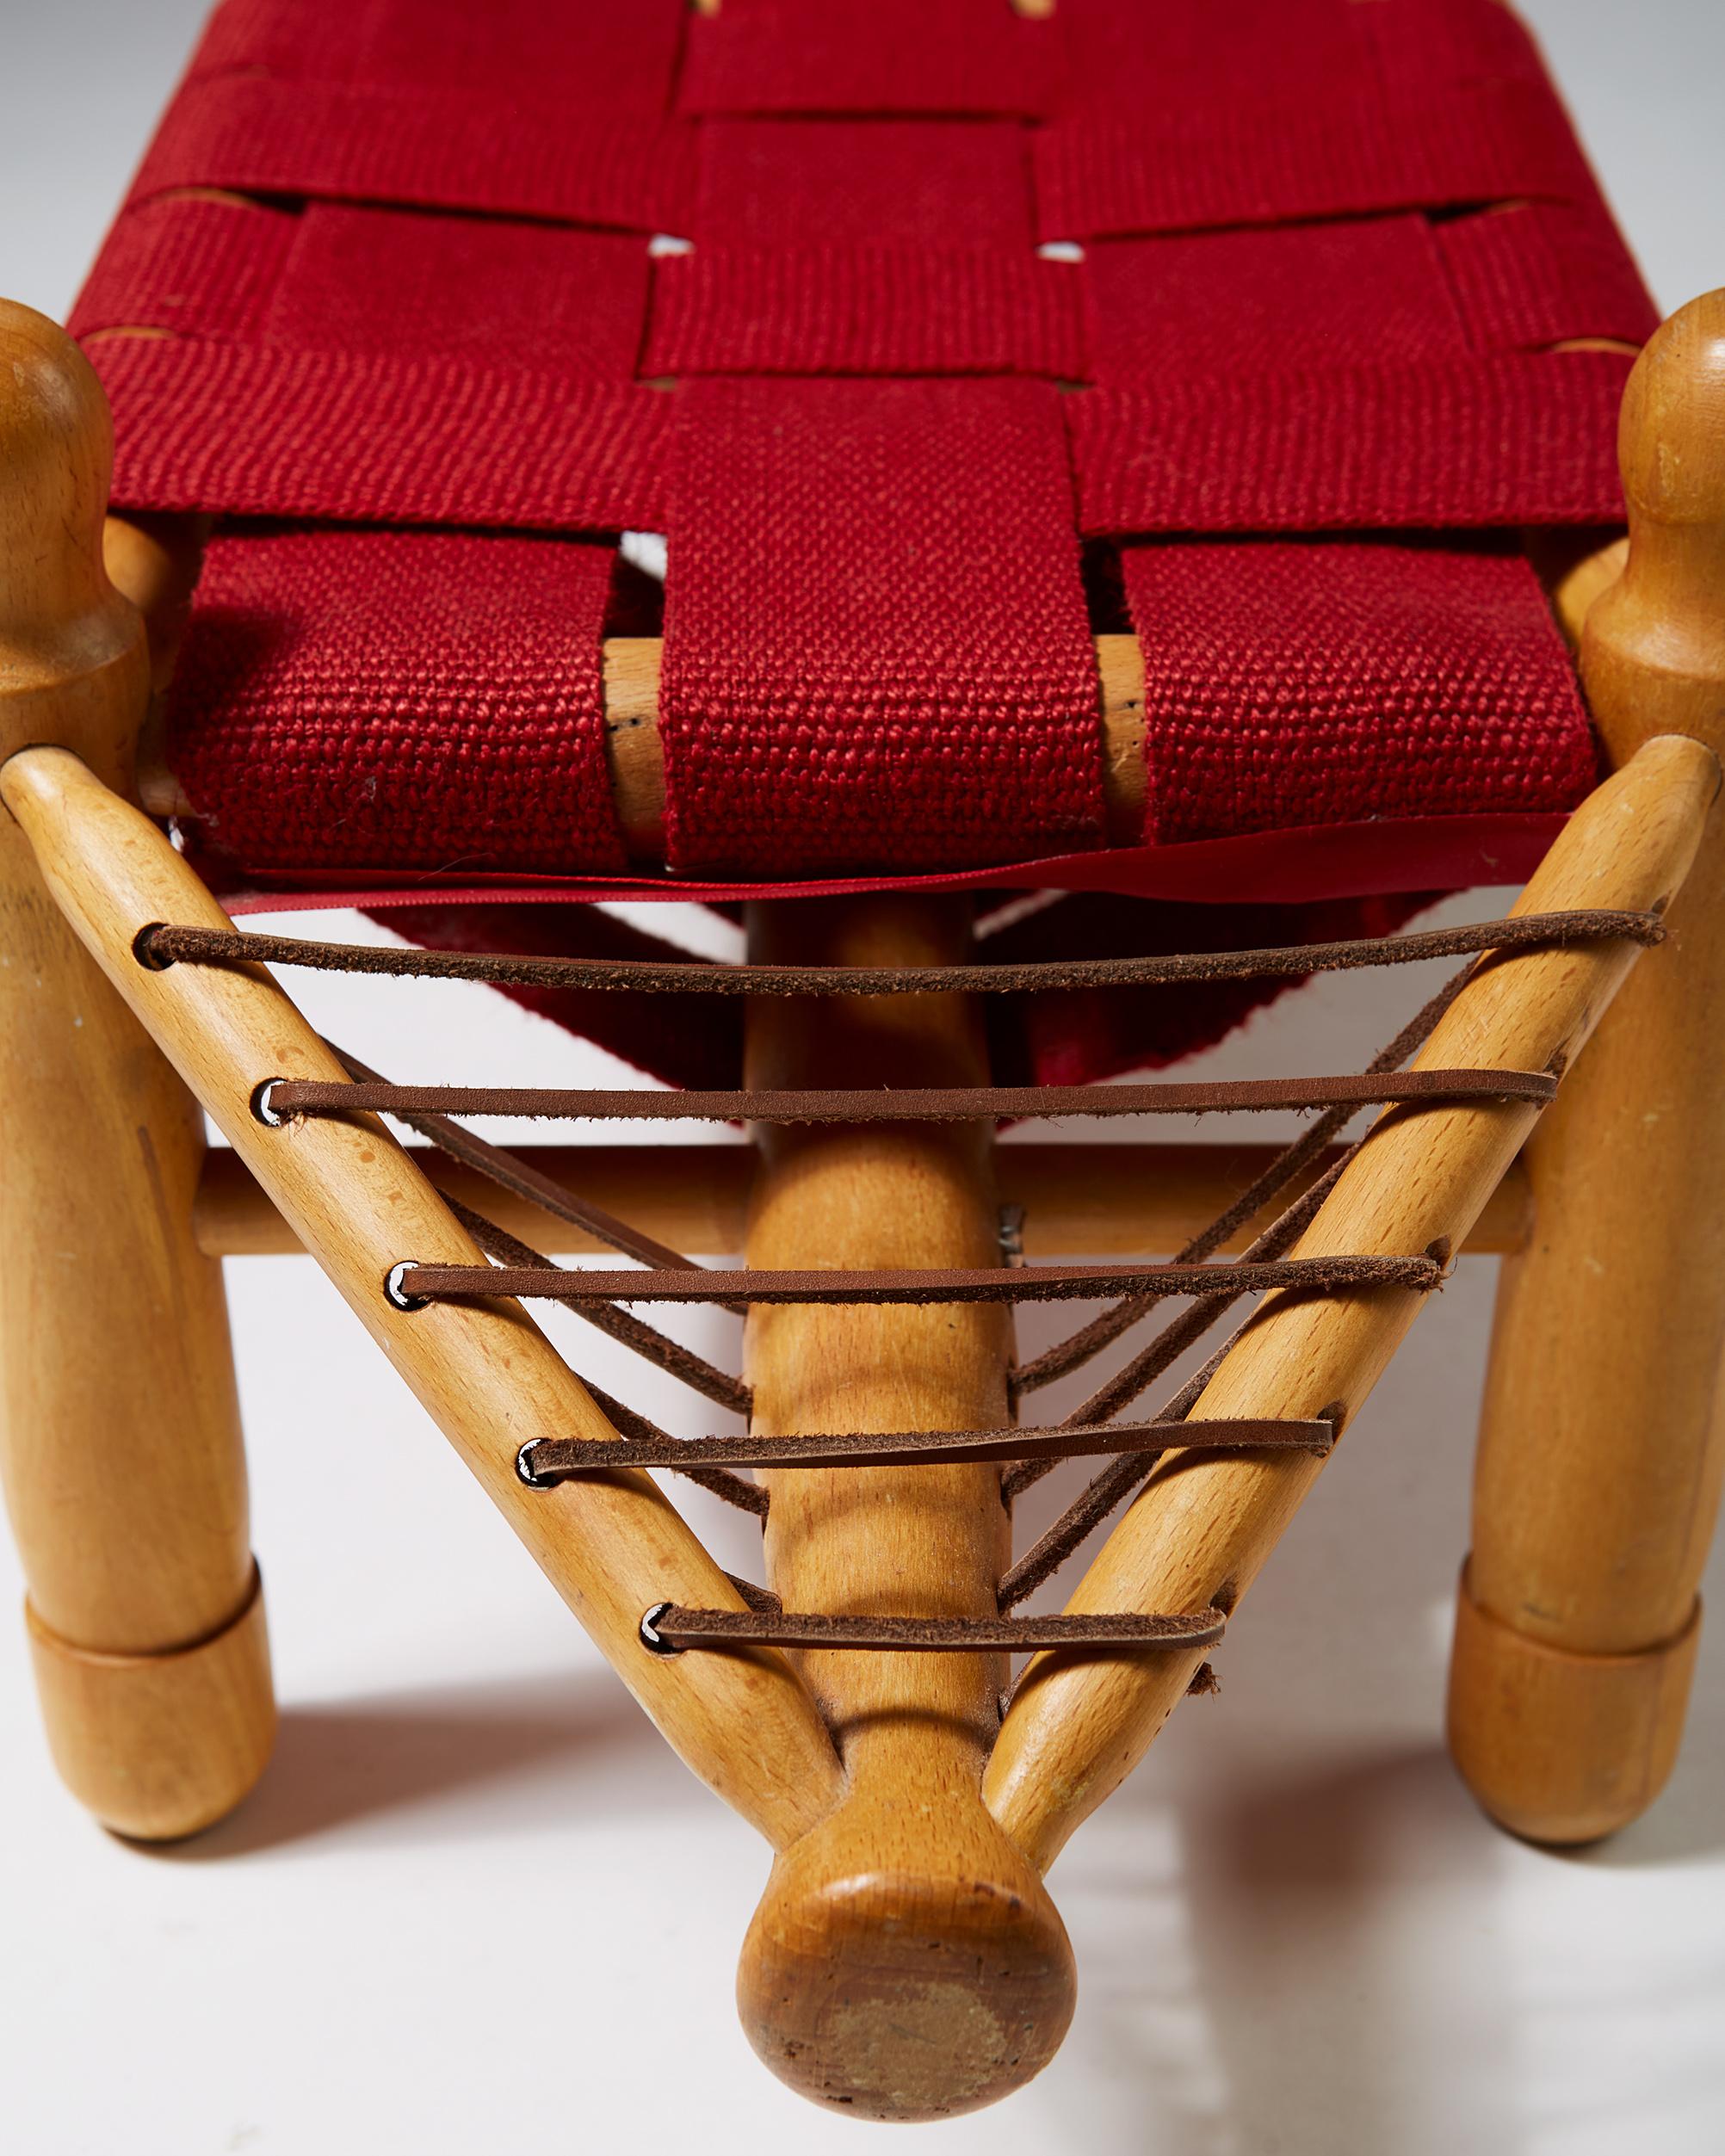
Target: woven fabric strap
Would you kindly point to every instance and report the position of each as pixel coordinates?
(936, 338)
(1303, 269)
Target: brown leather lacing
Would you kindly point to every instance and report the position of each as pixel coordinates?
(1116, 1483)
(520, 1180)
(1292, 1161)
(581, 1287)
(903, 1104)
(669, 1628)
(668, 1276)
(162, 944)
(515, 1256)
(543, 1460)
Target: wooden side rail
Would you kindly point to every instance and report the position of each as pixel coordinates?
(1103, 1201)
(1204, 1525)
(744, 1722)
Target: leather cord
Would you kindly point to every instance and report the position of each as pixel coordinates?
(1108, 1326)
(163, 944)
(905, 1104)
(1026, 1283)
(669, 1628)
(545, 1460)
(670, 1277)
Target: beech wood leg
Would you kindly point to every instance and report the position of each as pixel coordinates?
(905, 1961)
(613, 1546)
(1205, 1522)
(119, 1435)
(1602, 1447)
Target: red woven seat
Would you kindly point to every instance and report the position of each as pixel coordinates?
(1263, 329)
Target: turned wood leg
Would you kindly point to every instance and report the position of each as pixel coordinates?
(1204, 1524)
(1601, 1452)
(119, 1438)
(905, 1961)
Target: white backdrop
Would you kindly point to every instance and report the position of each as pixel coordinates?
(443, 1921)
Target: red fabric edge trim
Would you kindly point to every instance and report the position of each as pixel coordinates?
(1275, 868)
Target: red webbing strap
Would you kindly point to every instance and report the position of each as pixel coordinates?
(781, 182)
(1365, 292)
(395, 282)
(1500, 442)
(431, 149)
(378, 437)
(1332, 150)
(871, 56)
(583, 53)
(401, 282)
(876, 647)
(866, 308)
(195, 266)
(1125, 55)
(356, 685)
(1533, 273)
(1379, 293)
(449, 183)
(1403, 678)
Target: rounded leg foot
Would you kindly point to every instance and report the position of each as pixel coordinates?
(1558, 1746)
(160, 1746)
(870, 1983)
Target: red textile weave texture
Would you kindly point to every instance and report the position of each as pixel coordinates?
(934, 537)
(1405, 681)
(413, 680)
(876, 309)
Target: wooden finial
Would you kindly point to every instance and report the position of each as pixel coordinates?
(73, 669)
(1600, 1446)
(1653, 650)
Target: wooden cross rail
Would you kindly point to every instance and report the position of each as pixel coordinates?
(1106, 1200)
(155, 562)
(150, 574)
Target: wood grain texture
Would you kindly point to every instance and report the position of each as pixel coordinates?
(160, 1746)
(905, 1961)
(744, 1721)
(1132, 1200)
(1601, 1450)
(1202, 1527)
(120, 1440)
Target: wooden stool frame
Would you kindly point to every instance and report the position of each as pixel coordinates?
(905, 1960)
